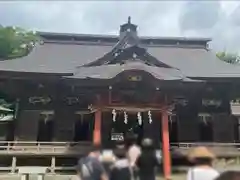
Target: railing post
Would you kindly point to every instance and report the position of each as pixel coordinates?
(238, 160)
(8, 146)
(38, 147)
(53, 164)
(14, 163)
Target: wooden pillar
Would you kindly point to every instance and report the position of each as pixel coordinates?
(97, 128)
(166, 146)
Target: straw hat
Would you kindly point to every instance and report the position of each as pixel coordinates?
(200, 152)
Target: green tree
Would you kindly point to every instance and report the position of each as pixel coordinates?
(16, 42)
(228, 57)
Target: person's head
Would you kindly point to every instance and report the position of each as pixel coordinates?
(131, 139)
(95, 151)
(201, 156)
(147, 144)
(229, 175)
(121, 144)
(120, 153)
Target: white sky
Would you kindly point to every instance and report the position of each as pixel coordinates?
(219, 20)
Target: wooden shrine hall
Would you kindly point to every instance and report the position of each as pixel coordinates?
(93, 89)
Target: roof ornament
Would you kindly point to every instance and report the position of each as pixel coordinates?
(129, 20)
(128, 27)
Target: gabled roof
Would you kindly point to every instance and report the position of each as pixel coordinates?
(127, 54)
(112, 70)
(66, 54)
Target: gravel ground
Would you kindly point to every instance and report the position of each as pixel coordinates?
(66, 177)
(178, 176)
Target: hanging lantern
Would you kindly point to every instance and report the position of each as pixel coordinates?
(114, 115)
(139, 118)
(149, 117)
(125, 117)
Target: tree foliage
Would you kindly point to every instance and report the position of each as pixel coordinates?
(16, 42)
(228, 57)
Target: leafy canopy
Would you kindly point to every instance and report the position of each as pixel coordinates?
(16, 42)
(228, 57)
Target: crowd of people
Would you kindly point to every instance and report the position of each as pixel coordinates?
(133, 162)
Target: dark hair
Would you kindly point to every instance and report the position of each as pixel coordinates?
(202, 161)
(131, 138)
(229, 175)
(120, 153)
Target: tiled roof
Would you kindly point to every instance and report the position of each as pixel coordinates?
(61, 54)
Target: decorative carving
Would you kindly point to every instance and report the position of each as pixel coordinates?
(211, 102)
(235, 101)
(181, 101)
(135, 78)
(72, 100)
(90, 107)
(39, 99)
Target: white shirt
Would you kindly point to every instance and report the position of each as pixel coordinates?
(200, 173)
(133, 153)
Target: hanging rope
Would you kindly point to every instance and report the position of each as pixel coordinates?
(114, 115)
(149, 117)
(139, 118)
(125, 117)
(204, 120)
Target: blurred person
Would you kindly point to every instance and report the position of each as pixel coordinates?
(133, 152)
(78, 175)
(229, 175)
(147, 161)
(202, 160)
(90, 168)
(133, 149)
(121, 169)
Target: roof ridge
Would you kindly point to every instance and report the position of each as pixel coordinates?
(180, 38)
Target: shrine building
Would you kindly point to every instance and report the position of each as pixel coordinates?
(75, 90)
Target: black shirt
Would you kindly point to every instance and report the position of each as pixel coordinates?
(147, 163)
(121, 170)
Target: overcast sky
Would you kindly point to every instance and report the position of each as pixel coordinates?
(219, 20)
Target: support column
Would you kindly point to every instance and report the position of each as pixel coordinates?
(14, 163)
(97, 128)
(166, 146)
(53, 164)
